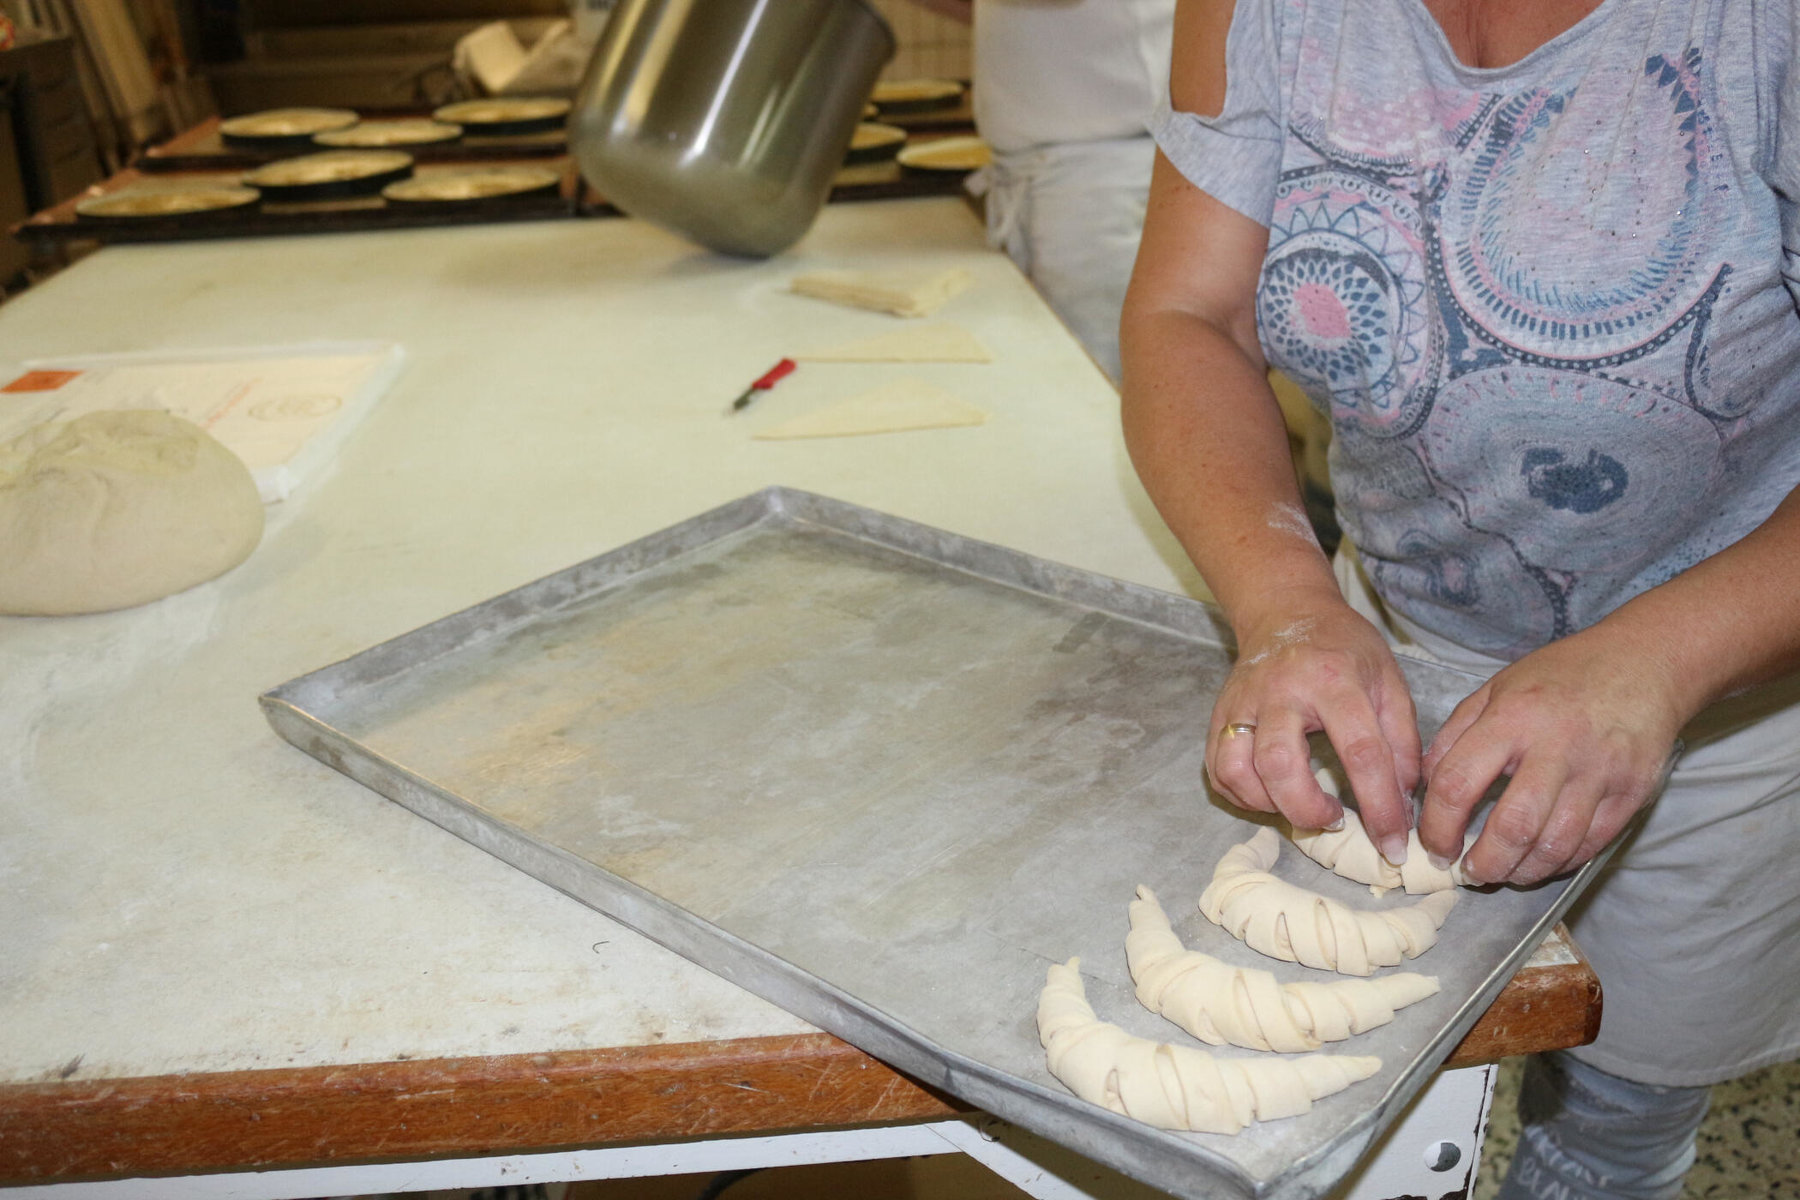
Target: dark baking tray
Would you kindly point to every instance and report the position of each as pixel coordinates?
(276, 218)
(202, 149)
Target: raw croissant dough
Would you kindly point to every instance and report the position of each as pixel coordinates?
(904, 404)
(1176, 1087)
(1288, 922)
(910, 343)
(1221, 1004)
(1350, 853)
(903, 293)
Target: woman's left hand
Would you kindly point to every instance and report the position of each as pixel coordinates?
(1584, 726)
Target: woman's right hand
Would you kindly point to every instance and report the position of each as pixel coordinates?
(1208, 439)
(1310, 663)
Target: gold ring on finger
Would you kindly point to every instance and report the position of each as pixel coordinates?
(1237, 727)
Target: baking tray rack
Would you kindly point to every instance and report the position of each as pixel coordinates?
(882, 775)
(349, 214)
(202, 148)
(201, 157)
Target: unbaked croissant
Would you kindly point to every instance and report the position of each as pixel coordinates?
(1176, 1087)
(1350, 853)
(1287, 922)
(1242, 1006)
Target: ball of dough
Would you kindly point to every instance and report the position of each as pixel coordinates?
(113, 509)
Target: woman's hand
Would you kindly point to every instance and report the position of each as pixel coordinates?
(1311, 663)
(1584, 726)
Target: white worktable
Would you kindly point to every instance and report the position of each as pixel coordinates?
(185, 894)
(198, 896)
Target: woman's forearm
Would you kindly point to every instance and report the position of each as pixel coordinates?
(1725, 624)
(1206, 435)
(1208, 440)
(1582, 725)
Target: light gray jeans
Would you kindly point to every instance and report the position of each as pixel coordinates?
(1587, 1135)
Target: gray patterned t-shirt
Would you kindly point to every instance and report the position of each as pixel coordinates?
(1549, 308)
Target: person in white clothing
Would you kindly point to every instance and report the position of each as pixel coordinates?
(1064, 91)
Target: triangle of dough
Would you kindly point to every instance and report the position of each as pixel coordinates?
(903, 293)
(895, 408)
(920, 343)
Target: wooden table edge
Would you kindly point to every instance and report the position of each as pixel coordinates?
(306, 1116)
(333, 1115)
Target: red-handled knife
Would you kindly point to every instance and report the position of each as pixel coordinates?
(776, 374)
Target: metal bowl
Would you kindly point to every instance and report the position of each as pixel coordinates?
(725, 120)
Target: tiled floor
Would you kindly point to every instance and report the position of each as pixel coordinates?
(1749, 1144)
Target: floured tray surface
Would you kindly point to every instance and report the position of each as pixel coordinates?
(884, 776)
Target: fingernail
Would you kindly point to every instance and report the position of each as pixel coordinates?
(1337, 825)
(1437, 860)
(1393, 848)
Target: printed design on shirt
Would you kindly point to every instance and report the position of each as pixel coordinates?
(1569, 469)
(1582, 487)
(1342, 305)
(1414, 539)
(1381, 129)
(1531, 182)
(1543, 408)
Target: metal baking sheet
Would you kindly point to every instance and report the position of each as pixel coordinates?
(882, 775)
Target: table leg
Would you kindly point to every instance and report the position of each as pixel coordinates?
(1433, 1151)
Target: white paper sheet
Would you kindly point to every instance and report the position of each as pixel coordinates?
(282, 409)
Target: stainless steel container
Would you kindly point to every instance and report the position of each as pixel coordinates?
(725, 120)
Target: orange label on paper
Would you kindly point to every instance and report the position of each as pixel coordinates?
(40, 381)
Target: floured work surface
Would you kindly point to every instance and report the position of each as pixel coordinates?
(883, 776)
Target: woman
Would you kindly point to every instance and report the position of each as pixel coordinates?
(1528, 256)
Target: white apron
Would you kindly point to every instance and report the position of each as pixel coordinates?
(1063, 93)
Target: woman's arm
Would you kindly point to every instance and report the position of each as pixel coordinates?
(1584, 725)
(1207, 438)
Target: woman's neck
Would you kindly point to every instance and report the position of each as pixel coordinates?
(1498, 33)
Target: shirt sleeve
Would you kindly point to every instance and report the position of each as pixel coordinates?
(1235, 157)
